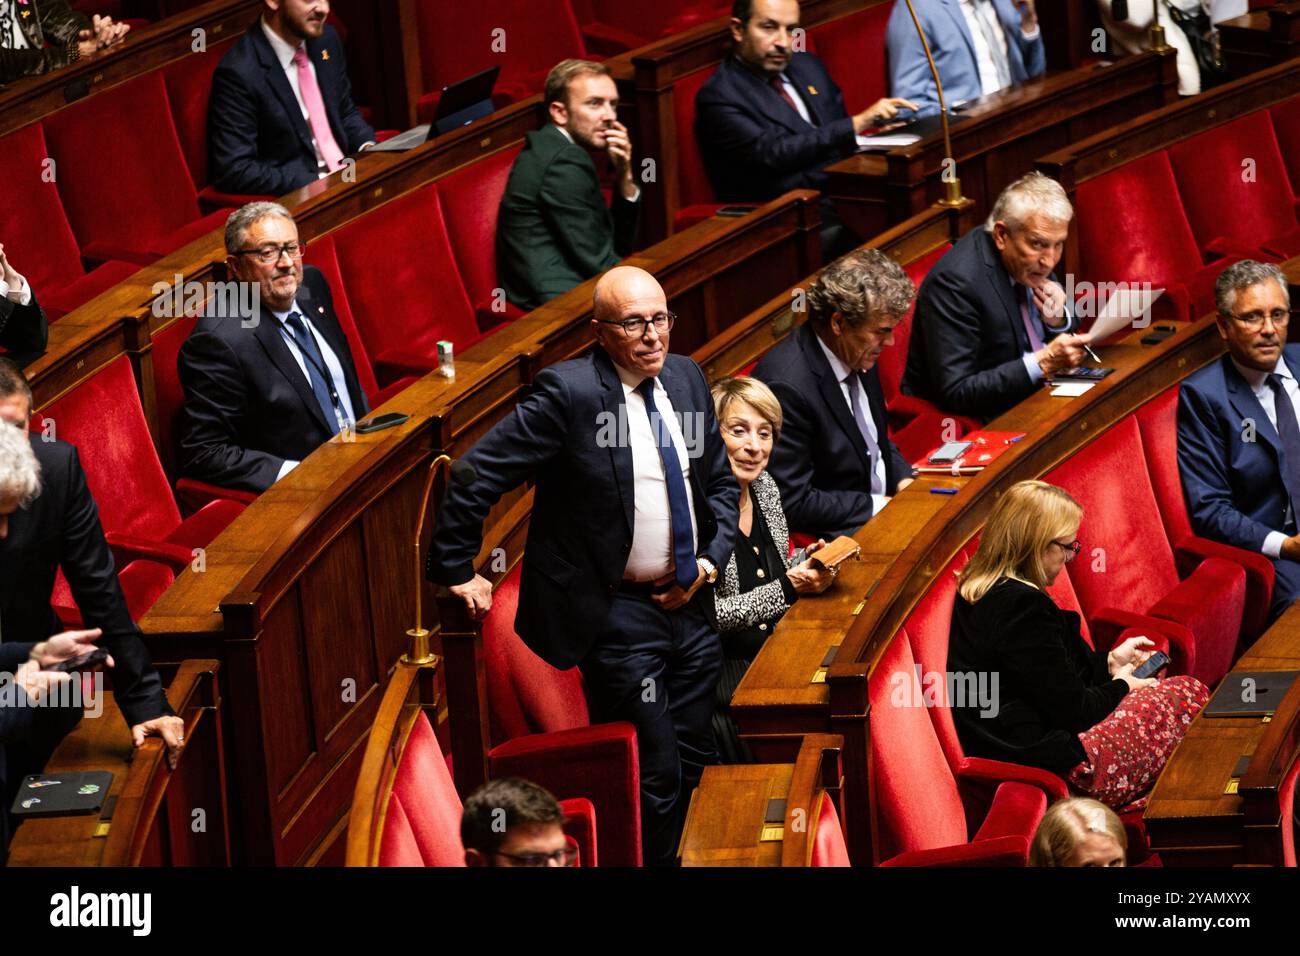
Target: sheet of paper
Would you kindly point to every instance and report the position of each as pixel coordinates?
(1122, 309)
(887, 140)
(1071, 389)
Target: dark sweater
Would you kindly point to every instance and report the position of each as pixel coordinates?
(1051, 684)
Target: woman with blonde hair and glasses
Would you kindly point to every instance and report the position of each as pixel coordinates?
(1060, 705)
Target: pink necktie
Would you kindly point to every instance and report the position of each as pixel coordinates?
(1035, 340)
(316, 115)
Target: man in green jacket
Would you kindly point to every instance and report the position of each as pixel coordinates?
(553, 229)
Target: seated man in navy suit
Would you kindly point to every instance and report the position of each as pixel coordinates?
(1238, 441)
(281, 113)
(267, 384)
(771, 119)
(992, 323)
(979, 47)
(24, 330)
(835, 464)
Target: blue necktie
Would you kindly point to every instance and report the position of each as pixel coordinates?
(1289, 431)
(326, 397)
(679, 505)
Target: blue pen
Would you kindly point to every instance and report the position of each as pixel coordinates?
(944, 491)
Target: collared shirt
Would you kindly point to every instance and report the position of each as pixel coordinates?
(569, 136)
(19, 295)
(841, 372)
(1258, 382)
(651, 557)
(11, 31)
(974, 11)
(285, 53)
(332, 365)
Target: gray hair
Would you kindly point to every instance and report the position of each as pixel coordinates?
(20, 472)
(245, 217)
(1031, 193)
(859, 286)
(1243, 275)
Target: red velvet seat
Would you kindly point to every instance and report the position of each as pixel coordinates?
(1127, 562)
(1286, 127)
(1238, 166)
(35, 230)
(613, 26)
(142, 205)
(403, 285)
(103, 417)
(541, 731)
(470, 199)
(920, 815)
(853, 50)
(1158, 423)
(829, 846)
(695, 199)
(1132, 228)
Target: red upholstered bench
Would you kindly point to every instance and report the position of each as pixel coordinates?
(695, 199)
(613, 26)
(853, 50)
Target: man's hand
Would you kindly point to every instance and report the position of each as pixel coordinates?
(1050, 299)
(477, 595)
(675, 597)
(106, 32)
(7, 272)
(882, 109)
(1064, 351)
(1028, 16)
(1291, 548)
(619, 146)
(170, 729)
(1132, 652)
(65, 647)
(903, 483)
(35, 682)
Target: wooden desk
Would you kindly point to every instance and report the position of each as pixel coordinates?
(1260, 39)
(1199, 813)
(999, 140)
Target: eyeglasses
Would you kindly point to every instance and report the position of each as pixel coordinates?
(268, 254)
(1254, 321)
(564, 857)
(1071, 550)
(634, 328)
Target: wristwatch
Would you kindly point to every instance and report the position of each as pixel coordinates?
(710, 569)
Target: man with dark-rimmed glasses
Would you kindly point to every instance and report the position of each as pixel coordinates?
(268, 371)
(1238, 439)
(635, 510)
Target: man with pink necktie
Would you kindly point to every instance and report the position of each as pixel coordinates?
(281, 113)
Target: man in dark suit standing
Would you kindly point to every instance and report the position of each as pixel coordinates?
(24, 330)
(1238, 441)
(635, 511)
(267, 385)
(835, 463)
(553, 228)
(281, 113)
(771, 119)
(37, 36)
(992, 323)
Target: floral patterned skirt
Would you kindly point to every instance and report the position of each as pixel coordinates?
(1127, 750)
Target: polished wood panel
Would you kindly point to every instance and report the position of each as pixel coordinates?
(1261, 38)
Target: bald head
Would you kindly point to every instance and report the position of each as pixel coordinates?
(623, 293)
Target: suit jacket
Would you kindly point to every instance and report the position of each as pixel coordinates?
(61, 529)
(580, 534)
(953, 49)
(52, 21)
(1236, 490)
(23, 328)
(1051, 684)
(968, 338)
(248, 405)
(820, 462)
(755, 146)
(258, 140)
(553, 229)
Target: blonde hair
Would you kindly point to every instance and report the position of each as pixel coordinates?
(1067, 823)
(565, 72)
(742, 388)
(1027, 517)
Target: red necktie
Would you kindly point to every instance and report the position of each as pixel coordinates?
(785, 94)
(316, 115)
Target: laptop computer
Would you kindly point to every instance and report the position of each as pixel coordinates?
(461, 103)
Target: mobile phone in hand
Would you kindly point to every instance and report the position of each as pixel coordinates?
(86, 662)
(1152, 664)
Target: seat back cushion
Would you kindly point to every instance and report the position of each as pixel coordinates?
(189, 85)
(38, 239)
(1158, 424)
(1067, 599)
(893, 360)
(1286, 126)
(323, 254)
(693, 184)
(423, 822)
(169, 396)
(470, 199)
(843, 45)
(829, 846)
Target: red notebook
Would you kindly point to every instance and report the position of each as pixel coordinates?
(985, 449)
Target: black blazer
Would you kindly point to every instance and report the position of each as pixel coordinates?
(23, 328)
(248, 405)
(820, 462)
(580, 533)
(61, 529)
(755, 146)
(1051, 685)
(258, 140)
(968, 338)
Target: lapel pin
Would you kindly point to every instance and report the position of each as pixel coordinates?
(321, 310)
(812, 89)
(324, 54)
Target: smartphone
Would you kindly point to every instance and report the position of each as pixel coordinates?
(1158, 334)
(85, 662)
(949, 453)
(1081, 374)
(1153, 663)
(735, 210)
(380, 422)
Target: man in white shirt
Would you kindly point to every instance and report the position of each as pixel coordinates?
(835, 463)
(281, 113)
(979, 47)
(23, 328)
(1132, 34)
(1238, 438)
(37, 36)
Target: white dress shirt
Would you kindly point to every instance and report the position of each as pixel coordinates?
(1258, 382)
(19, 295)
(974, 11)
(332, 365)
(842, 371)
(11, 32)
(651, 557)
